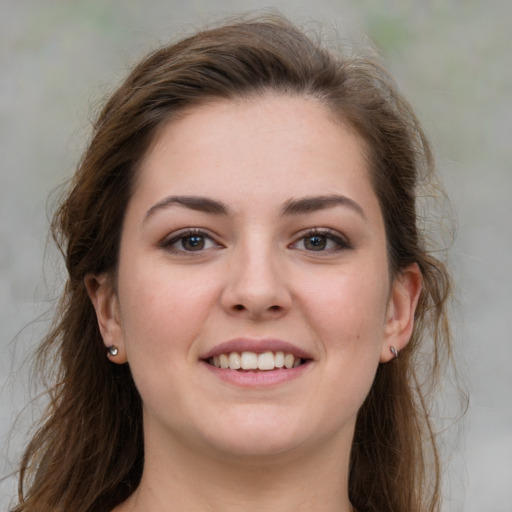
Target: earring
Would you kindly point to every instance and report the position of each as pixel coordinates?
(394, 351)
(113, 350)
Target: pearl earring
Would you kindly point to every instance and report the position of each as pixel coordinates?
(113, 350)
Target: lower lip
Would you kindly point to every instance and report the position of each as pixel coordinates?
(254, 379)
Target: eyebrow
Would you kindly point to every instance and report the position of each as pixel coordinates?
(198, 203)
(315, 203)
(291, 207)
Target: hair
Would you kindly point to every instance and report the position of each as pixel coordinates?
(87, 453)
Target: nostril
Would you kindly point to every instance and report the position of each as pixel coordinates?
(256, 311)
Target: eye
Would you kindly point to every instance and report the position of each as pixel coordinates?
(189, 241)
(320, 240)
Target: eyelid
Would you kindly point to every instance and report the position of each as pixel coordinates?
(173, 238)
(341, 240)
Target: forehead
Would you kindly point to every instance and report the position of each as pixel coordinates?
(264, 149)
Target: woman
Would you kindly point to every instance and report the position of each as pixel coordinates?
(249, 291)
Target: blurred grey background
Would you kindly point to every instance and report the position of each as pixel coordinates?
(58, 60)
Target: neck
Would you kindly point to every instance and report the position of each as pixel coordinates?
(193, 481)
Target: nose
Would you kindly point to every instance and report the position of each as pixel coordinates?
(256, 286)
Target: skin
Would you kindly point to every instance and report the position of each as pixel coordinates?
(283, 446)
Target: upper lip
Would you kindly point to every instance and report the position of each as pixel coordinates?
(258, 346)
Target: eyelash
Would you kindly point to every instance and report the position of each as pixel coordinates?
(323, 235)
(169, 244)
(327, 235)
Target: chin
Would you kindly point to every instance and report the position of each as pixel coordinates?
(256, 447)
(260, 436)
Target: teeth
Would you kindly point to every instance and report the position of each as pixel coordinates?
(288, 360)
(266, 361)
(249, 361)
(252, 361)
(224, 361)
(235, 361)
(279, 360)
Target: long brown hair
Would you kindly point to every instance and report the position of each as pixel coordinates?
(87, 454)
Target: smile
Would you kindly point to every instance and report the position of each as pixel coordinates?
(246, 360)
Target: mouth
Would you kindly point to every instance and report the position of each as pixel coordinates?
(247, 361)
(246, 355)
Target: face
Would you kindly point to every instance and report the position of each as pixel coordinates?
(254, 239)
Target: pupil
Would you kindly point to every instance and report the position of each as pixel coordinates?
(316, 242)
(193, 243)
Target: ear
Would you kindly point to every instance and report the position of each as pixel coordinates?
(104, 299)
(405, 293)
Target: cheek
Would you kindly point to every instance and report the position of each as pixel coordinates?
(347, 315)
(349, 309)
(162, 316)
(162, 311)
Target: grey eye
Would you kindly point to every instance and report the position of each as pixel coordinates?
(193, 242)
(321, 241)
(315, 242)
(189, 241)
